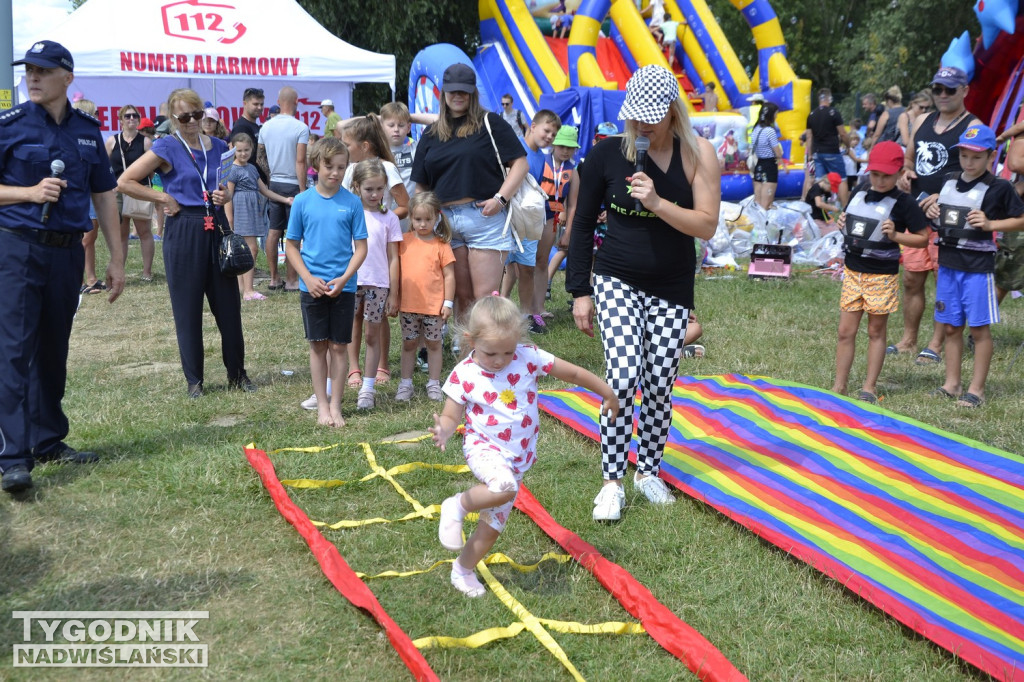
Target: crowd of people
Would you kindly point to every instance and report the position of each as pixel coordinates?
(376, 225)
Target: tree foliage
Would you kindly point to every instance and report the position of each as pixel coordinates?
(398, 27)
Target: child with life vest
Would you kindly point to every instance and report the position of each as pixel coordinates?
(555, 183)
(973, 205)
(495, 390)
(878, 219)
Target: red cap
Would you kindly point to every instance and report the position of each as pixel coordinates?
(834, 179)
(886, 157)
(146, 123)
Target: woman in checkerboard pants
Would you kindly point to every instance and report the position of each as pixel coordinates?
(641, 278)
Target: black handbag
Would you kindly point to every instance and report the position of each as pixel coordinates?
(234, 256)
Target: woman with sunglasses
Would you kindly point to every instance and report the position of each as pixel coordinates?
(124, 149)
(922, 103)
(187, 161)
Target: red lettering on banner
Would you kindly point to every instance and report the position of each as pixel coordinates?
(142, 62)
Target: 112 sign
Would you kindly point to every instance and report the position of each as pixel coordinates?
(203, 21)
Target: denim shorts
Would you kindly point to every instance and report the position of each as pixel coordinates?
(527, 257)
(829, 163)
(328, 318)
(471, 228)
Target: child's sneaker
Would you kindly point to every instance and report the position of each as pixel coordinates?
(466, 582)
(309, 403)
(434, 392)
(366, 400)
(654, 489)
(449, 530)
(404, 393)
(421, 360)
(609, 503)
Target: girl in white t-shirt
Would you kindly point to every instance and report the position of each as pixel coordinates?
(495, 390)
(378, 277)
(366, 139)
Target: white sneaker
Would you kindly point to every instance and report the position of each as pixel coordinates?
(366, 399)
(309, 403)
(434, 392)
(654, 489)
(404, 393)
(609, 503)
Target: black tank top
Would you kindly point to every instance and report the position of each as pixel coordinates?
(935, 153)
(132, 151)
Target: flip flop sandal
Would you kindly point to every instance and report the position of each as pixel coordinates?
(970, 401)
(940, 392)
(383, 376)
(927, 357)
(97, 287)
(892, 350)
(357, 382)
(275, 287)
(870, 398)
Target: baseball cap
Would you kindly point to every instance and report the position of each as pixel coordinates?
(211, 112)
(886, 157)
(834, 180)
(605, 129)
(950, 76)
(650, 92)
(566, 137)
(48, 55)
(459, 78)
(275, 109)
(978, 138)
(145, 123)
(757, 97)
(327, 103)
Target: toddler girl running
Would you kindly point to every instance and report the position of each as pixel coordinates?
(428, 291)
(495, 389)
(246, 213)
(379, 276)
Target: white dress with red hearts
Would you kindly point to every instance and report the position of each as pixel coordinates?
(501, 409)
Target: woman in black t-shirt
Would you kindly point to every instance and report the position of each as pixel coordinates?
(456, 159)
(124, 149)
(643, 272)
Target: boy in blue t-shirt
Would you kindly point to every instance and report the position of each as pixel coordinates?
(326, 245)
(972, 206)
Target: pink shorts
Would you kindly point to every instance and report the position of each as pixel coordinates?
(921, 260)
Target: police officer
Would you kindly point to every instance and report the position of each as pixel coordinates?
(51, 161)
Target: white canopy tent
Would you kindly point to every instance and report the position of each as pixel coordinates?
(137, 51)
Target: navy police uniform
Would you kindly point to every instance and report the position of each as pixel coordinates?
(41, 267)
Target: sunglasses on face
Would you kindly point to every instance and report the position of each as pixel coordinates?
(252, 92)
(189, 116)
(507, 104)
(943, 90)
(130, 115)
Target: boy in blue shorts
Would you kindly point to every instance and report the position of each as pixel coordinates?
(878, 219)
(326, 245)
(972, 206)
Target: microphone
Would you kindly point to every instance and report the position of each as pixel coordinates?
(642, 144)
(56, 170)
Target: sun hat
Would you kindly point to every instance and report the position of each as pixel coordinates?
(459, 78)
(886, 157)
(950, 76)
(567, 137)
(211, 112)
(978, 138)
(48, 55)
(605, 129)
(650, 92)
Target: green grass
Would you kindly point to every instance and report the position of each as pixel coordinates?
(173, 518)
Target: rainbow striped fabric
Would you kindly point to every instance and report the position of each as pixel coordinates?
(924, 524)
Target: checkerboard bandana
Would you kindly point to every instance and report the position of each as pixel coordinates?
(649, 94)
(642, 337)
